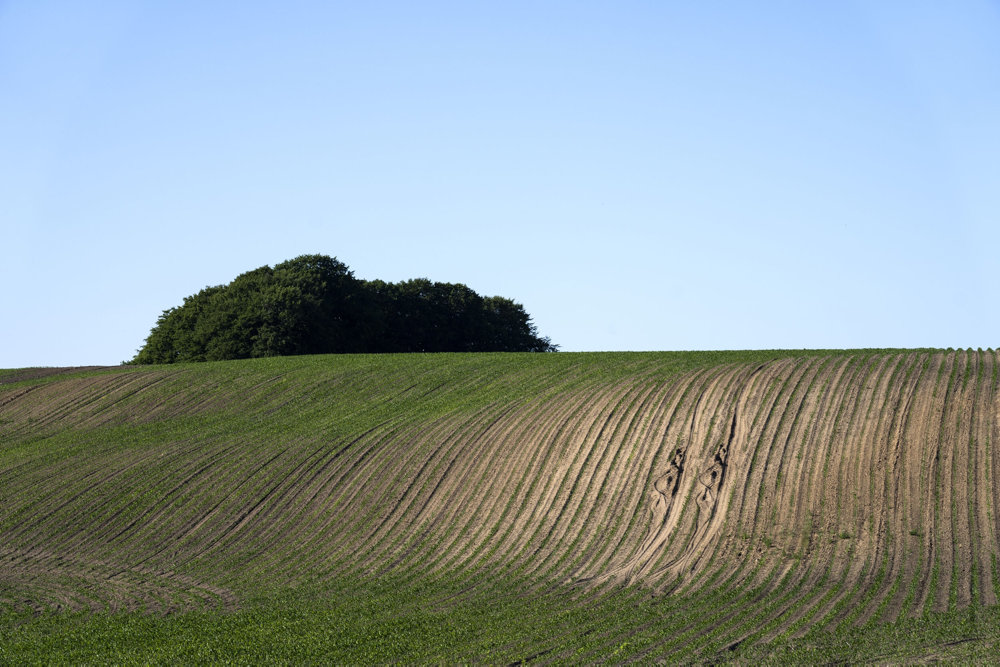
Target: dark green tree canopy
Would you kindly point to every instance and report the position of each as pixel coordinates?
(313, 304)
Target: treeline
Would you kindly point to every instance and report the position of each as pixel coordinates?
(313, 304)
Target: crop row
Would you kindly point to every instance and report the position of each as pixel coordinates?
(760, 497)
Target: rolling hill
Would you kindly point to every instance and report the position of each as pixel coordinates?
(504, 507)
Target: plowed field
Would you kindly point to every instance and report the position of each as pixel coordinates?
(566, 507)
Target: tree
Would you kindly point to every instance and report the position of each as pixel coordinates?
(313, 304)
(511, 328)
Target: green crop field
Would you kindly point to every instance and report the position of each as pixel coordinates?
(554, 508)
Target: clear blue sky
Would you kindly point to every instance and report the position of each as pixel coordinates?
(640, 175)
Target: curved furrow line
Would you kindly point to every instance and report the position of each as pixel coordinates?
(591, 454)
(66, 403)
(187, 547)
(788, 574)
(292, 561)
(957, 437)
(770, 569)
(530, 528)
(822, 547)
(806, 503)
(623, 545)
(40, 511)
(670, 448)
(12, 409)
(112, 404)
(942, 468)
(675, 487)
(721, 601)
(885, 516)
(518, 518)
(350, 494)
(768, 616)
(709, 479)
(891, 490)
(200, 506)
(808, 447)
(570, 458)
(910, 491)
(657, 396)
(250, 521)
(112, 504)
(962, 571)
(334, 485)
(194, 469)
(979, 570)
(9, 398)
(100, 395)
(298, 491)
(33, 477)
(382, 542)
(858, 446)
(721, 563)
(208, 398)
(350, 506)
(741, 620)
(817, 445)
(746, 434)
(518, 449)
(923, 512)
(747, 400)
(656, 640)
(712, 381)
(54, 400)
(661, 524)
(752, 453)
(844, 566)
(983, 481)
(862, 533)
(979, 577)
(883, 584)
(643, 439)
(696, 382)
(913, 488)
(374, 502)
(754, 477)
(448, 483)
(546, 445)
(606, 519)
(296, 507)
(453, 540)
(500, 477)
(943, 591)
(209, 502)
(778, 462)
(15, 513)
(586, 493)
(34, 415)
(668, 643)
(783, 535)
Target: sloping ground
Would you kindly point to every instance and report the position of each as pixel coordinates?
(773, 494)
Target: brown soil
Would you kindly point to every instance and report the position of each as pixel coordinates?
(842, 489)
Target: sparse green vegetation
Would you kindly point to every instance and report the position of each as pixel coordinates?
(501, 508)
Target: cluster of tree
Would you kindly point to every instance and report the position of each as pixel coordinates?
(313, 304)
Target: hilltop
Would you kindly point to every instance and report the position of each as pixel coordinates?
(499, 507)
